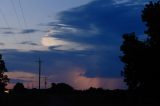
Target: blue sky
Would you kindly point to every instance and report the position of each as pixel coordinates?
(77, 40)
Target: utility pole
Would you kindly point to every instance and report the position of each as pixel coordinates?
(39, 65)
(32, 85)
(45, 82)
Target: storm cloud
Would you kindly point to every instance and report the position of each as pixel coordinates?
(83, 44)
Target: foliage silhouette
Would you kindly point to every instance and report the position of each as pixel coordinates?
(61, 88)
(141, 70)
(19, 88)
(3, 78)
(91, 97)
(133, 51)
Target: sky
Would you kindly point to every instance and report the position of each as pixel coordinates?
(78, 41)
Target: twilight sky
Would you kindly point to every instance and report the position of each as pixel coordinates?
(77, 40)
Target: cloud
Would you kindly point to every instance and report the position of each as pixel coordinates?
(79, 69)
(2, 44)
(75, 78)
(101, 23)
(28, 79)
(28, 31)
(20, 75)
(130, 2)
(96, 27)
(121, 1)
(59, 44)
(9, 32)
(29, 43)
(6, 28)
(84, 44)
(78, 80)
(55, 24)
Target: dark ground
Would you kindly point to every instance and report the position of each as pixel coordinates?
(78, 98)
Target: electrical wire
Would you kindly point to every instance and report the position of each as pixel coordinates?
(7, 24)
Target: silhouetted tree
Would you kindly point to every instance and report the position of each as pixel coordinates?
(141, 58)
(53, 85)
(61, 88)
(19, 88)
(151, 17)
(64, 87)
(132, 49)
(3, 78)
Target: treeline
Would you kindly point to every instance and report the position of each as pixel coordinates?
(64, 95)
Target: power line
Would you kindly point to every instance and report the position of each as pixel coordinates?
(18, 19)
(6, 22)
(24, 19)
(14, 8)
(22, 12)
(4, 18)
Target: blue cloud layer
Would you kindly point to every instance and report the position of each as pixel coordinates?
(100, 23)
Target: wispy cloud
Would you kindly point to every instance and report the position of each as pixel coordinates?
(2, 44)
(121, 1)
(61, 44)
(28, 31)
(29, 43)
(130, 2)
(5, 28)
(8, 32)
(20, 75)
(28, 79)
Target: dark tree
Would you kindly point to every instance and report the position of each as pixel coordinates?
(64, 87)
(142, 58)
(3, 78)
(132, 49)
(19, 88)
(61, 88)
(151, 17)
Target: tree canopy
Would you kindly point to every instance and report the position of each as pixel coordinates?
(3, 78)
(141, 58)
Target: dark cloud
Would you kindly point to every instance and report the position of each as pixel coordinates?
(9, 32)
(101, 24)
(29, 43)
(28, 31)
(2, 44)
(5, 28)
(54, 47)
(55, 24)
(110, 21)
(56, 61)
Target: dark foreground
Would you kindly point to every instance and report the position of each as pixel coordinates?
(78, 98)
